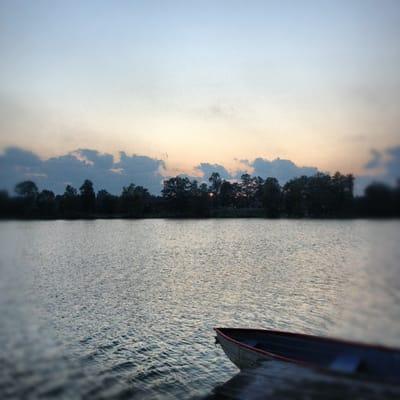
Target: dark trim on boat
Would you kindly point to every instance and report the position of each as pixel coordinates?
(303, 336)
(266, 353)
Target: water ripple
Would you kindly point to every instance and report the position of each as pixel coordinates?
(125, 309)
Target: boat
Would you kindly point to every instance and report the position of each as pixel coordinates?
(248, 348)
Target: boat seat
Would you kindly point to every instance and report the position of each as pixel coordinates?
(252, 342)
(348, 363)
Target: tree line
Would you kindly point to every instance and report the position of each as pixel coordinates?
(318, 196)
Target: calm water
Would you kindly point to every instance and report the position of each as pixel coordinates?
(101, 309)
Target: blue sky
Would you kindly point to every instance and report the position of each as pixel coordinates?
(190, 82)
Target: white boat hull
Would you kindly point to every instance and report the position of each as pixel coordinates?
(241, 357)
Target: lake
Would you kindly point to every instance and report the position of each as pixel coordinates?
(125, 308)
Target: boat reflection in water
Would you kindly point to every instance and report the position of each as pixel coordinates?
(279, 365)
(275, 380)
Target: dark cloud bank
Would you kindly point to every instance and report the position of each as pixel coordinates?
(73, 168)
(107, 173)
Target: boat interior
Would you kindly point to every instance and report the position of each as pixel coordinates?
(339, 356)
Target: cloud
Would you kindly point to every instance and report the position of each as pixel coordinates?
(221, 110)
(73, 168)
(109, 173)
(207, 169)
(141, 170)
(283, 170)
(22, 158)
(392, 165)
(375, 161)
(105, 161)
(17, 165)
(384, 166)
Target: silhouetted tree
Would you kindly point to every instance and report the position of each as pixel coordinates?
(343, 198)
(216, 182)
(69, 202)
(88, 197)
(199, 199)
(134, 199)
(25, 204)
(126, 199)
(27, 189)
(396, 199)
(272, 197)
(203, 188)
(294, 193)
(70, 192)
(379, 200)
(258, 191)
(106, 203)
(320, 196)
(251, 190)
(46, 203)
(236, 195)
(5, 204)
(226, 194)
(246, 188)
(177, 192)
(141, 200)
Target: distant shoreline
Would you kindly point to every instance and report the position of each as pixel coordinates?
(194, 217)
(321, 196)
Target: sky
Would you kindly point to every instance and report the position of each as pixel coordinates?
(193, 84)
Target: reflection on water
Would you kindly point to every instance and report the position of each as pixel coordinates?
(101, 309)
(278, 380)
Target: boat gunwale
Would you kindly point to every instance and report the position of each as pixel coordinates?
(303, 336)
(254, 349)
